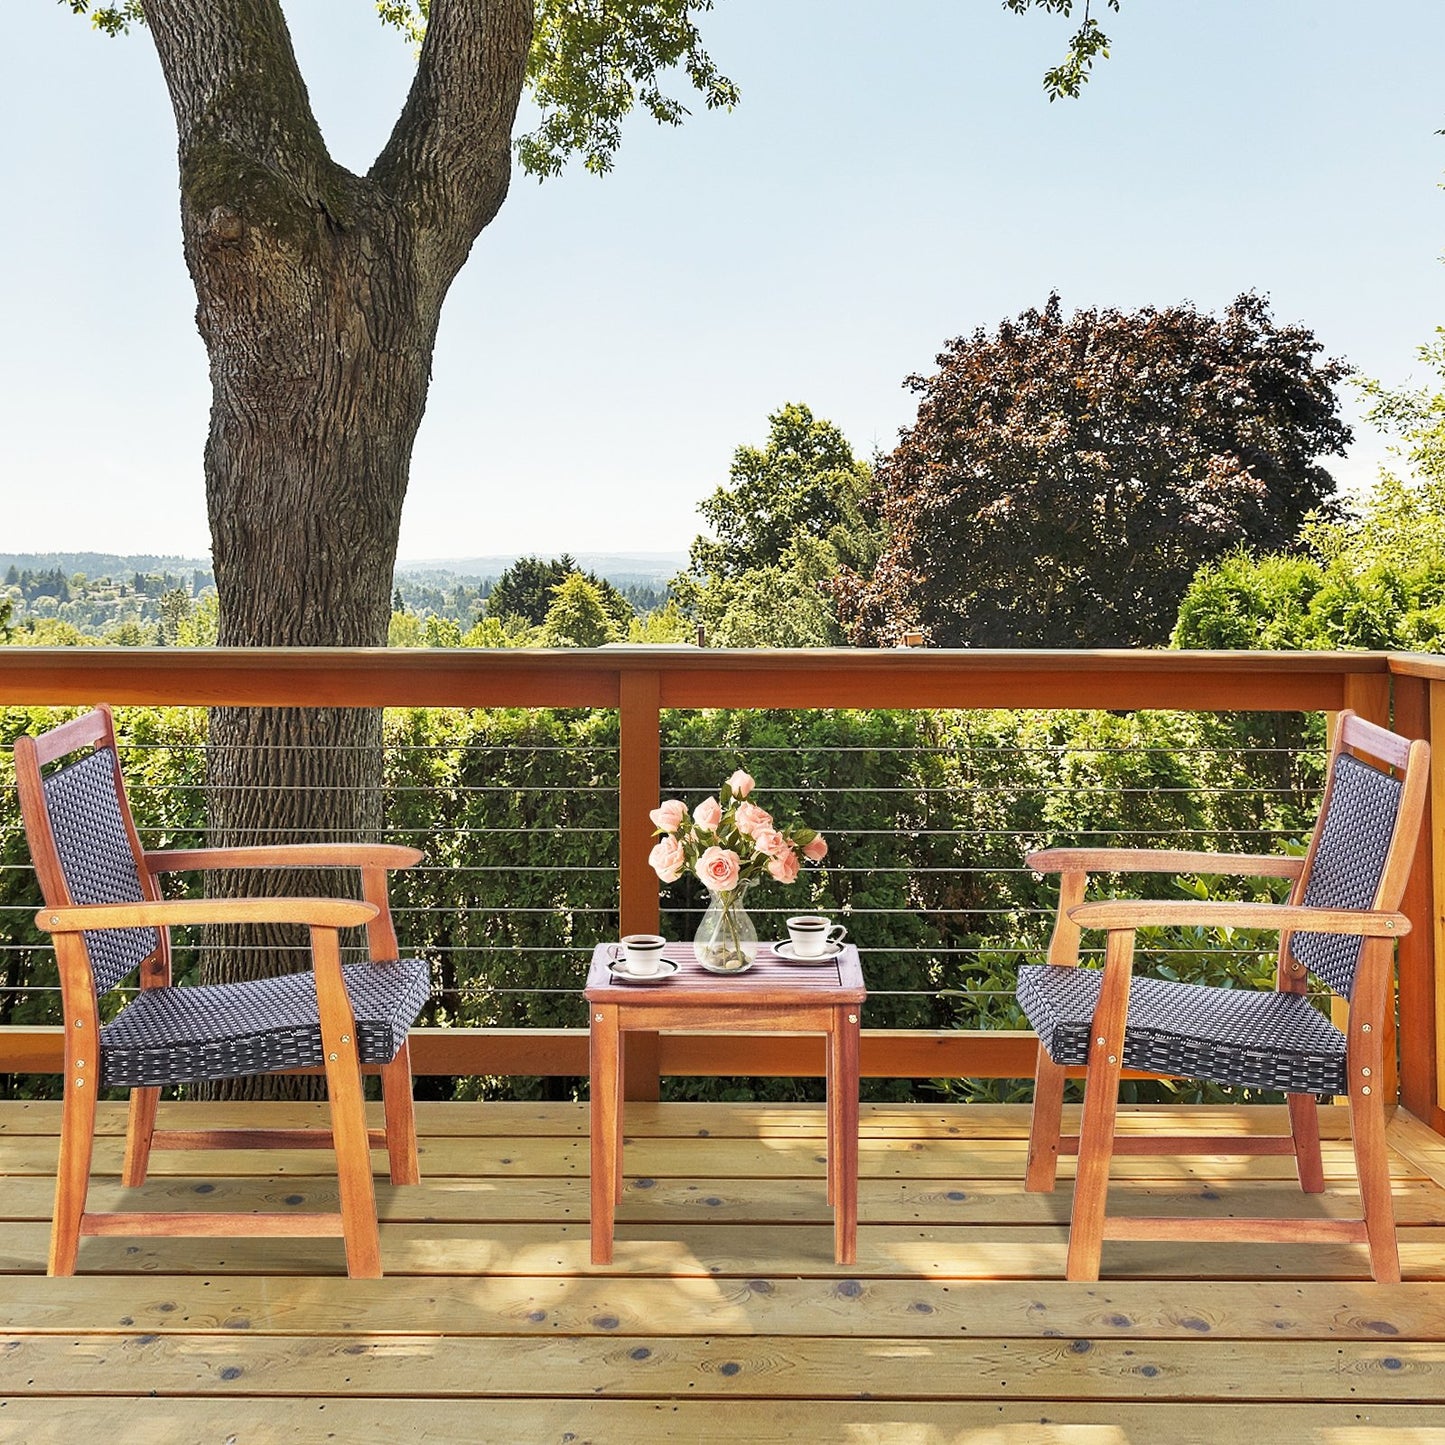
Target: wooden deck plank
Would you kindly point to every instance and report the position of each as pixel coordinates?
(683, 1248)
(685, 1422)
(691, 1158)
(620, 1307)
(680, 1120)
(729, 1368)
(754, 1201)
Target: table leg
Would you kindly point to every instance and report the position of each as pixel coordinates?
(605, 1111)
(828, 1093)
(843, 1042)
(618, 1172)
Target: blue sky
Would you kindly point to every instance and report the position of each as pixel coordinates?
(894, 177)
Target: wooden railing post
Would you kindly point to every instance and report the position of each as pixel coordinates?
(1415, 701)
(639, 767)
(1433, 920)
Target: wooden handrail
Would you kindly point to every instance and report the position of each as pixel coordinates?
(639, 681)
(687, 677)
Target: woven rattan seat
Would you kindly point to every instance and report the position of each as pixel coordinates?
(231, 1030)
(1229, 1035)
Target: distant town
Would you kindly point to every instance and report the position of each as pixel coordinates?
(122, 597)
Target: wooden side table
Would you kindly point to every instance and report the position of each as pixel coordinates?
(774, 996)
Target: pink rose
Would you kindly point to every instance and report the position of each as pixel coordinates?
(719, 869)
(669, 815)
(752, 819)
(785, 866)
(769, 841)
(741, 784)
(668, 859)
(707, 815)
(817, 850)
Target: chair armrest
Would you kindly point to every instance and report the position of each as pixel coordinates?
(286, 855)
(1163, 860)
(1121, 913)
(315, 912)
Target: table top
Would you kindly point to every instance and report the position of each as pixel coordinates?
(832, 980)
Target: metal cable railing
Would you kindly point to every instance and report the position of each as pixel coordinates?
(928, 817)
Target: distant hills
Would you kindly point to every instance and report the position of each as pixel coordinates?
(100, 564)
(620, 568)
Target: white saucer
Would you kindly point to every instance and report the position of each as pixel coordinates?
(784, 949)
(623, 974)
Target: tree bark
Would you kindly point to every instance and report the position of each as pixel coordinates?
(318, 294)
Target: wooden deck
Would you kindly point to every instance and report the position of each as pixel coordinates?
(724, 1316)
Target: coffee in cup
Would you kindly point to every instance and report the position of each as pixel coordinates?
(642, 952)
(811, 933)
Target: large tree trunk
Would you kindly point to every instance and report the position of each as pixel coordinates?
(319, 294)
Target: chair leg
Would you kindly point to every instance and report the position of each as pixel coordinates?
(72, 1174)
(1372, 1162)
(140, 1127)
(353, 1166)
(1304, 1124)
(1101, 1107)
(1044, 1127)
(1091, 1184)
(400, 1114)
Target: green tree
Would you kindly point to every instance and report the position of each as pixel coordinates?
(499, 632)
(664, 624)
(404, 630)
(1066, 476)
(175, 610)
(804, 481)
(130, 633)
(791, 515)
(528, 588)
(1374, 578)
(442, 632)
(525, 589)
(786, 604)
(200, 625)
(578, 616)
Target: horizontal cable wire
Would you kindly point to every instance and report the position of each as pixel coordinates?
(470, 779)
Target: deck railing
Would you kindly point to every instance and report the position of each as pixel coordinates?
(640, 683)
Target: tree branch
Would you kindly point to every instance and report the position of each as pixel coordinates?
(448, 160)
(240, 103)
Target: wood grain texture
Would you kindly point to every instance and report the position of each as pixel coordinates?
(1163, 860)
(286, 855)
(723, 1315)
(322, 912)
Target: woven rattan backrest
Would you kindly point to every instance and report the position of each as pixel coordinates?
(96, 857)
(1353, 839)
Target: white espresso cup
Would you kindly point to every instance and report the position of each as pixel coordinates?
(811, 933)
(642, 952)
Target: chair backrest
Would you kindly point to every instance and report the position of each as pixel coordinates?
(82, 837)
(1363, 842)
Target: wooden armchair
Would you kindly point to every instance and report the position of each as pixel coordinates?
(107, 919)
(1338, 927)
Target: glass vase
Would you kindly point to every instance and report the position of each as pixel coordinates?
(727, 940)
